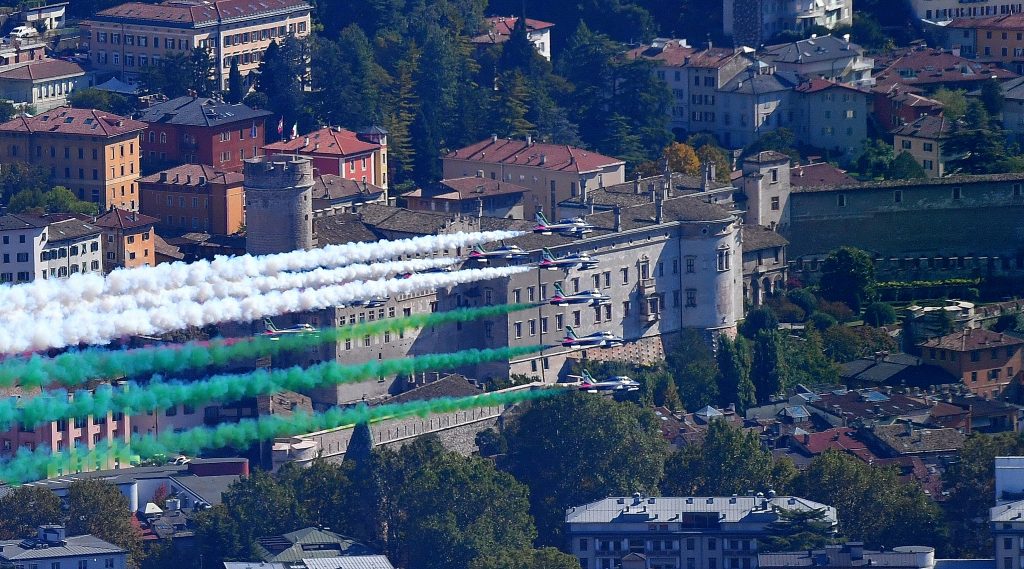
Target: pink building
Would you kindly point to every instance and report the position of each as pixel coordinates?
(361, 156)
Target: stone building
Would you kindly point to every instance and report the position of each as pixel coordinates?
(279, 204)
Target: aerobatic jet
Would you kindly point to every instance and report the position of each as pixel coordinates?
(372, 302)
(575, 226)
(615, 383)
(274, 332)
(597, 339)
(588, 297)
(581, 261)
(507, 252)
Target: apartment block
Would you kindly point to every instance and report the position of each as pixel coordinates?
(826, 57)
(51, 547)
(986, 362)
(128, 239)
(755, 22)
(194, 197)
(128, 38)
(707, 532)
(44, 84)
(92, 153)
(53, 246)
(360, 156)
(923, 139)
(669, 57)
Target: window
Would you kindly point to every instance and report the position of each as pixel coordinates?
(559, 321)
(517, 329)
(544, 325)
(775, 203)
(691, 298)
(690, 264)
(171, 411)
(516, 295)
(928, 146)
(841, 200)
(723, 260)
(905, 144)
(957, 192)
(625, 275)
(897, 196)
(577, 318)
(1016, 190)
(975, 355)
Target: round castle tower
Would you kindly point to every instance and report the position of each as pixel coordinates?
(278, 204)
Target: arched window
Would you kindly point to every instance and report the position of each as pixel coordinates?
(163, 138)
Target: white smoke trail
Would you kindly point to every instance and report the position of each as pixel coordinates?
(86, 287)
(111, 305)
(20, 332)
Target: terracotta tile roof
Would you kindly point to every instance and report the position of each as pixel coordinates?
(500, 28)
(928, 126)
(183, 14)
(555, 157)
(972, 339)
(1008, 22)
(821, 174)
(43, 69)
(839, 438)
(667, 52)
(65, 120)
(818, 85)
(163, 248)
(712, 58)
(328, 141)
(189, 174)
(122, 219)
(929, 66)
(903, 440)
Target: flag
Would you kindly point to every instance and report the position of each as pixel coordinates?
(295, 130)
(280, 126)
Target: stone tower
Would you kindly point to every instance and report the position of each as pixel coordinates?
(278, 204)
(767, 187)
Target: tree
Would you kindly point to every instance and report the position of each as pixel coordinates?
(735, 386)
(954, 103)
(873, 505)
(57, 200)
(879, 314)
(491, 443)
(349, 83)
(7, 111)
(236, 87)
(682, 158)
(512, 103)
(715, 156)
(324, 494)
(798, 530)
(728, 461)
(218, 537)
(460, 509)
(758, 320)
(803, 298)
(175, 74)
(979, 144)
(98, 508)
(905, 167)
(403, 110)
(808, 364)
(545, 558)
(16, 177)
(591, 448)
(25, 508)
(261, 506)
(692, 363)
(779, 140)
(992, 97)
(365, 491)
(822, 321)
(280, 79)
(845, 343)
(848, 275)
(769, 370)
(875, 160)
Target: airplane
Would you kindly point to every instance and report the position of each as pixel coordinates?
(403, 276)
(407, 274)
(274, 331)
(571, 261)
(615, 383)
(509, 252)
(575, 225)
(597, 339)
(588, 297)
(373, 302)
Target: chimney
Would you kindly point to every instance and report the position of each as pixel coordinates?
(188, 179)
(583, 190)
(494, 138)
(591, 202)
(529, 140)
(479, 208)
(305, 141)
(543, 159)
(618, 218)
(659, 211)
(636, 185)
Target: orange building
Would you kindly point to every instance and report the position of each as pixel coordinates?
(92, 153)
(128, 239)
(996, 38)
(195, 197)
(987, 362)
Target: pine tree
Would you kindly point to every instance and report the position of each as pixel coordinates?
(769, 370)
(512, 106)
(364, 510)
(734, 379)
(236, 89)
(404, 105)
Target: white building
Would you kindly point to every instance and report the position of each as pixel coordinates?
(44, 84)
(35, 247)
(499, 30)
(52, 549)
(754, 22)
(669, 57)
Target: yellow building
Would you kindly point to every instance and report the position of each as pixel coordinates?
(128, 239)
(92, 153)
(130, 37)
(923, 139)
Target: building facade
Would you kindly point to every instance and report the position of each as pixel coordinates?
(194, 197)
(499, 30)
(471, 196)
(43, 84)
(128, 38)
(831, 117)
(755, 22)
(826, 57)
(686, 532)
(200, 130)
(986, 362)
(128, 239)
(551, 172)
(360, 156)
(92, 153)
(47, 247)
(923, 140)
(53, 548)
(278, 204)
(669, 57)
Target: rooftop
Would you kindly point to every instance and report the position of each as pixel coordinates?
(944, 181)
(453, 385)
(69, 229)
(471, 187)
(349, 562)
(194, 14)
(820, 174)
(19, 221)
(759, 237)
(199, 111)
(928, 66)
(713, 58)
(846, 556)
(751, 82)
(342, 228)
(869, 404)
(39, 70)
(21, 551)
(818, 85)
(499, 28)
(666, 52)
(821, 48)
(638, 191)
(307, 543)
(892, 369)
(904, 439)
(555, 157)
(190, 175)
(972, 339)
(123, 219)
(666, 509)
(65, 120)
(332, 188)
(330, 141)
(929, 126)
(1007, 22)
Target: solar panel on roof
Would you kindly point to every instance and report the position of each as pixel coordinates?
(875, 396)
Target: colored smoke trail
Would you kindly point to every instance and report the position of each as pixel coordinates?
(87, 287)
(135, 398)
(76, 368)
(19, 333)
(205, 292)
(34, 465)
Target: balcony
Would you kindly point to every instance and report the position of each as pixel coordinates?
(646, 286)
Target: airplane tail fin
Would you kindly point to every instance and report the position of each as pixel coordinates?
(269, 325)
(570, 333)
(558, 290)
(540, 218)
(546, 255)
(478, 249)
(587, 378)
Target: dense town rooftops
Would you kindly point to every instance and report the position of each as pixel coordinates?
(65, 120)
(930, 66)
(1012, 89)
(726, 509)
(327, 141)
(904, 439)
(44, 69)
(342, 228)
(928, 126)
(666, 52)
(638, 191)
(868, 403)
(820, 174)
(187, 14)
(972, 339)
(199, 111)
(821, 48)
(122, 219)
(191, 176)
(470, 187)
(555, 157)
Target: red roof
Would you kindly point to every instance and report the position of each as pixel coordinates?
(503, 25)
(972, 339)
(66, 120)
(121, 219)
(189, 174)
(198, 13)
(554, 157)
(816, 175)
(928, 66)
(714, 57)
(929, 126)
(839, 438)
(43, 69)
(671, 53)
(817, 85)
(330, 141)
(1008, 22)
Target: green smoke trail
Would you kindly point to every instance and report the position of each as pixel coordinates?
(76, 368)
(33, 465)
(160, 395)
